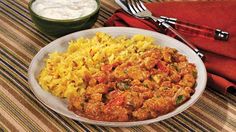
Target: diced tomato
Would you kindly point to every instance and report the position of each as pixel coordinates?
(109, 67)
(101, 79)
(116, 64)
(118, 101)
(107, 88)
(114, 93)
(153, 71)
(106, 68)
(162, 67)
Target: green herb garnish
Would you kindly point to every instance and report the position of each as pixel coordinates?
(125, 71)
(180, 99)
(123, 85)
(194, 74)
(126, 86)
(82, 104)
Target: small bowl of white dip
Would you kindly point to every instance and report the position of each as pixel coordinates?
(60, 17)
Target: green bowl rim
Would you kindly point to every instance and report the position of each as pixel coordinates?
(64, 20)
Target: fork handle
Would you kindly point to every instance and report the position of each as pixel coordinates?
(195, 49)
(179, 36)
(197, 30)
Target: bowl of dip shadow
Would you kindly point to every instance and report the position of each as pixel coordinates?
(60, 27)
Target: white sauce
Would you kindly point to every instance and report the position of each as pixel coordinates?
(64, 9)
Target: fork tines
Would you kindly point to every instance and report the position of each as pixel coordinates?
(135, 6)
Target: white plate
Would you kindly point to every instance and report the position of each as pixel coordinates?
(61, 44)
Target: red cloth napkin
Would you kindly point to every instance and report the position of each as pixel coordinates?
(221, 56)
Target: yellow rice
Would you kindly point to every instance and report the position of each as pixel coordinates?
(63, 72)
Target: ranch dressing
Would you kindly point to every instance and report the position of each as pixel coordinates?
(64, 9)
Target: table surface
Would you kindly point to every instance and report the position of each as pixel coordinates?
(20, 40)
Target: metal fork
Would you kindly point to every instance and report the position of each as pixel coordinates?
(138, 10)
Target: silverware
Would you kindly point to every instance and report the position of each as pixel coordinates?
(199, 30)
(137, 9)
(187, 27)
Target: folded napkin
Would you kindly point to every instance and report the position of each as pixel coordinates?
(221, 56)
